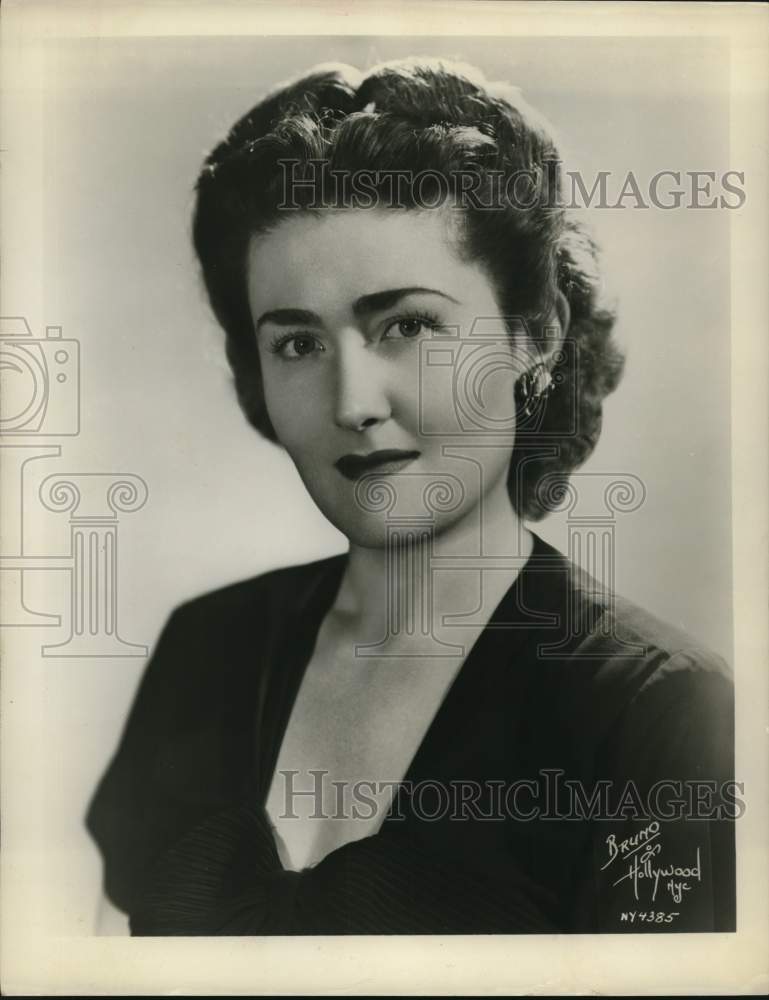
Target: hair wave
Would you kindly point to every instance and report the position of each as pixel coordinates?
(420, 115)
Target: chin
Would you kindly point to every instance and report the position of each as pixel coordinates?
(366, 535)
(383, 530)
(368, 529)
(406, 509)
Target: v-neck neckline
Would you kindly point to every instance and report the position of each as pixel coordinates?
(298, 637)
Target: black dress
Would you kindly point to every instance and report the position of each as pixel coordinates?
(533, 804)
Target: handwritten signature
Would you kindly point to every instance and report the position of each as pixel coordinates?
(637, 854)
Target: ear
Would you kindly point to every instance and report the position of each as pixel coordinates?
(563, 312)
(557, 326)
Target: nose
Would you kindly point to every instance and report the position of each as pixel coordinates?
(362, 398)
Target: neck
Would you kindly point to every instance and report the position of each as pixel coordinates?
(464, 569)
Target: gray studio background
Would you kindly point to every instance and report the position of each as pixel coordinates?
(127, 124)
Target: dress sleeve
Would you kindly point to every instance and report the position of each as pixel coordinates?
(132, 816)
(665, 859)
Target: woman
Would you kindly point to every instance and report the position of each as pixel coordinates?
(451, 728)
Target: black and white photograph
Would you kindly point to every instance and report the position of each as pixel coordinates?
(384, 524)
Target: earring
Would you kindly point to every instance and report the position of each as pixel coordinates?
(534, 387)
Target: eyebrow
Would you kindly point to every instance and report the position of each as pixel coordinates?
(364, 306)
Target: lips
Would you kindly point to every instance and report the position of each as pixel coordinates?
(385, 462)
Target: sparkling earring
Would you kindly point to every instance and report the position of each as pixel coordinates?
(534, 387)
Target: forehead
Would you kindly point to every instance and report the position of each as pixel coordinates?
(321, 258)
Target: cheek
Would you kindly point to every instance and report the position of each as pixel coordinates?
(473, 395)
(498, 397)
(434, 404)
(294, 407)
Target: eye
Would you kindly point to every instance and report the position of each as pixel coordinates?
(295, 346)
(408, 327)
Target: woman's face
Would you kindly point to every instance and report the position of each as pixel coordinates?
(375, 336)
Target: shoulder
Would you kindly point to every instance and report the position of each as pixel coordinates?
(187, 742)
(671, 655)
(220, 641)
(681, 707)
(607, 625)
(678, 664)
(616, 664)
(257, 596)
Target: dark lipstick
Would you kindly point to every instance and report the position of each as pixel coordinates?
(391, 460)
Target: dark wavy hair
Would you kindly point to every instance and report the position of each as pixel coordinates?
(441, 120)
